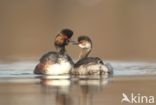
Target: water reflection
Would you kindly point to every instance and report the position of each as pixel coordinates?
(69, 90)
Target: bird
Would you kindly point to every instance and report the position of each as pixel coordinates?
(89, 65)
(56, 62)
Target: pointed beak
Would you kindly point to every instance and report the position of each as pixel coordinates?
(73, 42)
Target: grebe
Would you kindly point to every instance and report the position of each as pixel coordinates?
(56, 63)
(89, 65)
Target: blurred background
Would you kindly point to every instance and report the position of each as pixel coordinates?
(120, 29)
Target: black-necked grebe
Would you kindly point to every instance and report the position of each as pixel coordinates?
(89, 65)
(57, 63)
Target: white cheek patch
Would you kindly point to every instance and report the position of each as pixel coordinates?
(81, 46)
(86, 45)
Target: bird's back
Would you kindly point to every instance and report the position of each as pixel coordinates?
(54, 63)
(91, 66)
(88, 60)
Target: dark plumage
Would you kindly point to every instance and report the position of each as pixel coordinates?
(55, 63)
(63, 39)
(87, 61)
(89, 65)
(86, 38)
(68, 32)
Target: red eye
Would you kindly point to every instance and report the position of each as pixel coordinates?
(65, 37)
(80, 42)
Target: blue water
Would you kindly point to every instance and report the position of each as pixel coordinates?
(25, 68)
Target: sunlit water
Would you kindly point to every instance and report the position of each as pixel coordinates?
(19, 86)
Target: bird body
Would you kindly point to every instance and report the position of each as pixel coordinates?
(56, 62)
(89, 65)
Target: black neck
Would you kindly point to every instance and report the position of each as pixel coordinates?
(61, 49)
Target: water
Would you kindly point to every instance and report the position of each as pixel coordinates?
(25, 69)
(19, 86)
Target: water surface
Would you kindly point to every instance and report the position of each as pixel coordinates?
(19, 86)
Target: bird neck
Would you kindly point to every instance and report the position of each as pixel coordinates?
(84, 53)
(60, 49)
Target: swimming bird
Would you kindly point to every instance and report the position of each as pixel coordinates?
(89, 65)
(57, 62)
